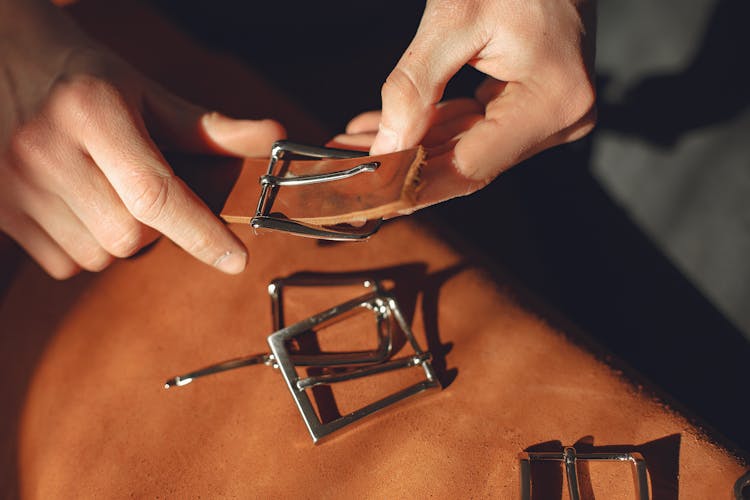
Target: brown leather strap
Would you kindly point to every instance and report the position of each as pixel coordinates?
(389, 190)
(84, 414)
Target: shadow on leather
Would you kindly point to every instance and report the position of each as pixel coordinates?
(662, 458)
(405, 282)
(31, 310)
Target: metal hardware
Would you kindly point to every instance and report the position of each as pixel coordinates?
(384, 328)
(334, 367)
(231, 364)
(741, 485)
(270, 183)
(569, 457)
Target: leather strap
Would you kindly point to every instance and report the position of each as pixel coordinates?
(84, 413)
(386, 192)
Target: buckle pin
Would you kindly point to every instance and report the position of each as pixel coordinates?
(303, 180)
(270, 183)
(335, 366)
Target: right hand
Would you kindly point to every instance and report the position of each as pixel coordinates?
(81, 179)
(539, 92)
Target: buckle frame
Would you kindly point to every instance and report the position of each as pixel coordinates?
(272, 181)
(385, 308)
(569, 457)
(336, 366)
(384, 328)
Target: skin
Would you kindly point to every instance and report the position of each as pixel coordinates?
(538, 58)
(82, 180)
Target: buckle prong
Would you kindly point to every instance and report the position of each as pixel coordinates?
(303, 180)
(271, 182)
(231, 364)
(334, 367)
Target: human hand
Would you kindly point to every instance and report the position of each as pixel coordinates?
(81, 177)
(538, 56)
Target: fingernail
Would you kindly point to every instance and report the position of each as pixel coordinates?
(231, 262)
(385, 142)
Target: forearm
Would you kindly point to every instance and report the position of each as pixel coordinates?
(36, 20)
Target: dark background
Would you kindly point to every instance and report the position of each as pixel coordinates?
(547, 222)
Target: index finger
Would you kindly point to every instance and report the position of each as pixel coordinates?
(155, 196)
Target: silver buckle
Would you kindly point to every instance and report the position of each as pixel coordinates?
(740, 486)
(274, 179)
(569, 457)
(335, 366)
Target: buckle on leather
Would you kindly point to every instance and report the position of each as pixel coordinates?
(569, 458)
(275, 179)
(741, 486)
(333, 367)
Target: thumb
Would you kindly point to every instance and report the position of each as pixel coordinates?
(444, 42)
(177, 124)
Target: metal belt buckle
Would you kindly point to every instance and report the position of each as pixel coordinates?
(569, 457)
(275, 179)
(334, 367)
(741, 487)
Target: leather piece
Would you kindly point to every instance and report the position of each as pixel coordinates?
(97, 422)
(392, 188)
(83, 363)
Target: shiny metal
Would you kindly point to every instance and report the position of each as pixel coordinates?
(310, 231)
(379, 303)
(384, 327)
(740, 485)
(270, 183)
(255, 359)
(395, 364)
(304, 180)
(334, 367)
(569, 458)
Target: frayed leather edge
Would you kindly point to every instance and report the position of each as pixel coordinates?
(413, 180)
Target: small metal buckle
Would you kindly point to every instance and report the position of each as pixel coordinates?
(569, 458)
(740, 486)
(273, 180)
(335, 366)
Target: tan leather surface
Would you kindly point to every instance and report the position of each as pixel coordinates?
(96, 421)
(390, 189)
(85, 415)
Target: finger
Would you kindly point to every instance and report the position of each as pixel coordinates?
(416, 84)
(579, 129)
(367, 122)
(155, 196)
(38, 244)
(364, 122)
(489, 90)
(451, 129)
(448, 110)
(71, 174)
(361, 142)
(95, 203)
(56, 219)
(176, 123)
(518, 124)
